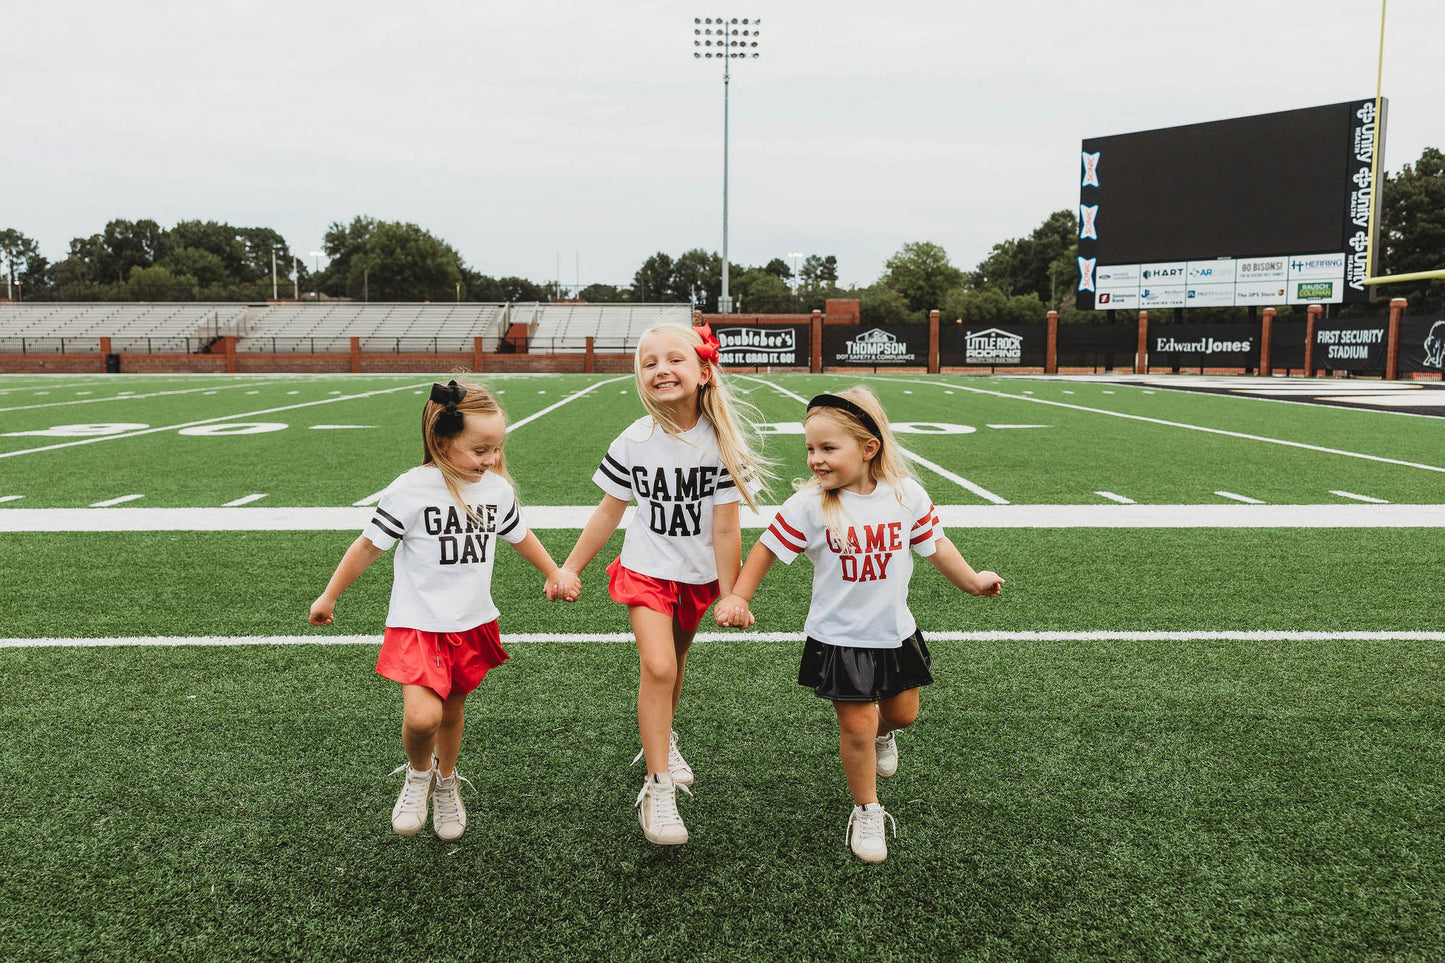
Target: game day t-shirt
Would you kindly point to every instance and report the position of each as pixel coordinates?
(444, 559)
(860, 596)
(677, 480)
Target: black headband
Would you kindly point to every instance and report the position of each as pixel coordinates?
(449, 422)
(843, 404)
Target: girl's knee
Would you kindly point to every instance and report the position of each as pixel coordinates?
(660, 671)
(423, 718)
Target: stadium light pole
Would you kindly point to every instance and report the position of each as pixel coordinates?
(316, 260)
(797, 258)
(727, 40)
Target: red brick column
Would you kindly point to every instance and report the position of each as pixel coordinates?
(230, 343)
(1392, 349)
(815, 336)
(1312, 314)
(355, 355)
(1265, 337)
(589, 361)
(1141, 359)
(477, 355)
(1051, 346)
(933, 341)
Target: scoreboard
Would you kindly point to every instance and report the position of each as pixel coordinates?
(1268, 209)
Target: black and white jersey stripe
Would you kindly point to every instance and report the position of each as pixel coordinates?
(511, 521)
(616, 471)
(388, 523)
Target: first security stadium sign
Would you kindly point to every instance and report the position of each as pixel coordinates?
(782, 345)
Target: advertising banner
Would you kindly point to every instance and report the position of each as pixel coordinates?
(1204, 345)
(780, 345)
(1097, 346)
(1422, 344)
(1287, 346)
(883, 345)
(1350, 345)
(961, 345)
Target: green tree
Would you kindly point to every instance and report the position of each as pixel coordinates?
(990, 306)
(520, 290)
(604, 294)
(390, 261)
(1412, 222)
(25, 269)
(202, 267)
(1042, 263)
(921, 273)
(158, 283)
(881, 304)
(653, 281)
(779, 269)
(760, 291)
(819, 271)
(697, 276)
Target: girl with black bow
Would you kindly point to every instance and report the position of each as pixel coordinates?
(446, 518)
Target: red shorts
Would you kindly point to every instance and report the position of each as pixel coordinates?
(441, 661)
(683, 600)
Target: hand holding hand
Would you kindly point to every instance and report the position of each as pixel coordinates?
(732, 612)
(563, 584)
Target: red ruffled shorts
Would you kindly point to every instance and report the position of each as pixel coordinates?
(441, 661)
(683, 600)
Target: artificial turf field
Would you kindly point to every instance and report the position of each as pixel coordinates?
(1229, 748)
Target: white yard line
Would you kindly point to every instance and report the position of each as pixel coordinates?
(244, 500)
(1359, 498)
(206, 421)
(545, 517)
(1115, 498)
(570, 398)
(155, 394)
(1262, 635)
(1168, 424)
(1239, 498)
(111, 502)
(937, 469)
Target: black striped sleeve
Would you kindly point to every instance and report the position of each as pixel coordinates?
(388, 523)
(513, 519)
(615, 471)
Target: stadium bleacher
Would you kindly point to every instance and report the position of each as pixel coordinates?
(325, 328)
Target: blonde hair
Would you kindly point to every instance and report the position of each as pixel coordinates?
(478, 400)
(888, 466)
(732, 419)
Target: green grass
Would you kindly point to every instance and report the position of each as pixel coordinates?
(1090, 800)
(1144, 801)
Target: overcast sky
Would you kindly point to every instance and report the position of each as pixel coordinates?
(541, 133)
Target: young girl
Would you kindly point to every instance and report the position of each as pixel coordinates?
(446, 517)
(687, 464)
(856, 520)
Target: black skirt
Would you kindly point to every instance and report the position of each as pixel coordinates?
(846, 673)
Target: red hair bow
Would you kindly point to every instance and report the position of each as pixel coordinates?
(708, 350)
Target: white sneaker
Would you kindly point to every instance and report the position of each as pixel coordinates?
(657, 811)
(408, 816)
(677, 766)
(887, 748)
(449, 816)
(866, 834)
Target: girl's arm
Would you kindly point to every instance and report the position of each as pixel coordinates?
(599, 528)
(358, 558)
(727, 545)
(535, 552)
(947, 560)
(733, 609)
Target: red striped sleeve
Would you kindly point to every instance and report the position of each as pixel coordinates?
(788, 536)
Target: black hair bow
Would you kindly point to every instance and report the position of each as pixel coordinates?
(450, 421)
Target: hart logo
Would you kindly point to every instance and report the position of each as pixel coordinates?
(1159, 273)
(994, 346)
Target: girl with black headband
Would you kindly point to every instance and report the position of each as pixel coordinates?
(860, 520)
(446, 518)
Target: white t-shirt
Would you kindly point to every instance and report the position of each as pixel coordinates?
(860, 598)
(677, 480)
(442, 579)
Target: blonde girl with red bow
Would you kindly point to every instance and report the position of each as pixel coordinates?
(687, 463)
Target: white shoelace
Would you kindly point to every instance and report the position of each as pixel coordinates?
(869, 824)
(413, 791)
(664, 811)
(674, 758)
(445, 803)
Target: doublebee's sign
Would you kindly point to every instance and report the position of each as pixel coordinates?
(784, 346)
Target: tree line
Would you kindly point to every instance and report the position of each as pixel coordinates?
(1017, 282)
